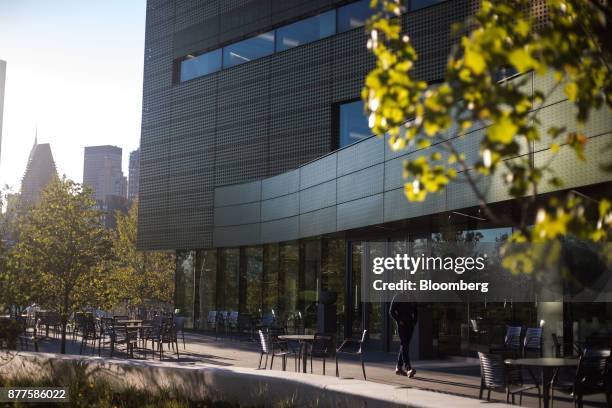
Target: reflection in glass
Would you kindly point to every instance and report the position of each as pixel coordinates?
(288, 272)
(253, 280)
(248, 50)
(356, 305)
(308, 288)
(228, 293)
(208, 285)
(418, 4)
(353, 123)
(200, 65)
(306, 31)
(185, 269)
(354, 15)
(333, 270)
(270, 278)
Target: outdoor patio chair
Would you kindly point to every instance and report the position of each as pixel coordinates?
(106, 334)
(90, 333)
(557, 346)
(245, 324)
(532, 343)
(275, 348)
(167, 335)
(152, 334)
(593, 376)
(496, 376)
(125, 336)
(27, 332)
(179, 324)
(352, 347)
(512, 342)
(232, 322)
(323, 346)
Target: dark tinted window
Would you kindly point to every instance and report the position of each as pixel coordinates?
(354, 15)
(353, 123)
(417, 4)
(200, 65)
(247, 50)
(305, 31)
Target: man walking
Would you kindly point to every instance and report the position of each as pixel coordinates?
(405, 314)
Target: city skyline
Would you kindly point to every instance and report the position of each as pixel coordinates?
(68, 72)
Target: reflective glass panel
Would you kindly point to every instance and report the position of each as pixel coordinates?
(353, 123)
(200, 65)
(305, 31)
(185, 268)
(228, 294)
(333, 272)
(248, 50)
(208, 285)
(354, 15)
(417, 4)
(270, 286)
(253, 280)
(288, 269)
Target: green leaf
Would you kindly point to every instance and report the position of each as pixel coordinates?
(502, 131)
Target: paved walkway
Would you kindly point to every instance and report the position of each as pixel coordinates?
(457, 376)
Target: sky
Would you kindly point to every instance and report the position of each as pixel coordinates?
(74, 72)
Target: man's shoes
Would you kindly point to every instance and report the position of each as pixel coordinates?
(399, 371)
(411, 373)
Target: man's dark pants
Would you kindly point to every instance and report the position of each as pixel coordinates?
(404, 331)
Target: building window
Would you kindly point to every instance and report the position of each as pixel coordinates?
(419, 4)
(306, 31)
(204, 64)
(354, 15)
(208, 285)
(253, 280)
(228, 293)
(353, 123)
(248, 50)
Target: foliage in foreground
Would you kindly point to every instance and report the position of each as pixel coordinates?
(572, 46)
(139, 275)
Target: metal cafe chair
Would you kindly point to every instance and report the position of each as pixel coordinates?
(495, 375)
(179, 324)
(352, 347)
(275, 348)
(593, 376)
(323, 346)
(532, 343)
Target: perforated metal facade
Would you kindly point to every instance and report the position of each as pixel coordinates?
(255, 120)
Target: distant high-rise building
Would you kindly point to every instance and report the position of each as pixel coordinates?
(2, 80)
(134, 179)
(102, 171)
(40, 170)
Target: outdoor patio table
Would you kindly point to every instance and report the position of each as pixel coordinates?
(303, 339)
(548, 365)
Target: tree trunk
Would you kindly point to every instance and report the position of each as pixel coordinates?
(64, 318)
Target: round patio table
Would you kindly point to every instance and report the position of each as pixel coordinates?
(548, 365)
(303, 339)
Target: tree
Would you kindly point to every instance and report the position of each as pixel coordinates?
(573, 45)
(61, 252)
(139, 276)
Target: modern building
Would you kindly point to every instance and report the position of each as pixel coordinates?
(258, 168)
(2, 88)
(134, 175)
(40, 170)
(103, 173)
